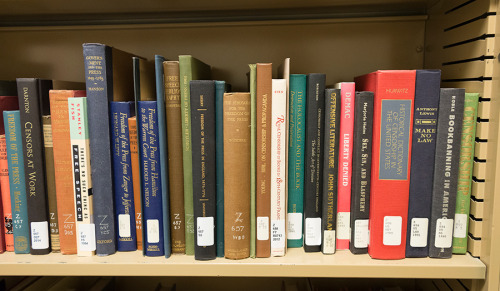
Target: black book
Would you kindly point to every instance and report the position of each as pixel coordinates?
(330, 169)
(203, 148)
(361, 172)
(444, 190)
(313, 184)
(422, 161)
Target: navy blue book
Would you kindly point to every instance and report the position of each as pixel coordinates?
(422, 162)
(219, 168)
(122, 172)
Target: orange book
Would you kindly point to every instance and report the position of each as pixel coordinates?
(5, 189)
(62, 167)
(136, 176)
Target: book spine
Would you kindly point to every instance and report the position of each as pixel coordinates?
(422, 162)
(124, 202)
(347, 103)
(6, 203)
(278, 167)
(330, 172)
(17, 182)
(446, 171)
(361, 172)
(51, 183)
(314, 162)
(136, 178)
(466, 163)
(175, 161)
(253, 141)
(203, 142)
(263, 163)
(296, 144)
(99, 80)
(151, 183)
(34, 166)
(237, 175)
(82, 181)
(219, 164)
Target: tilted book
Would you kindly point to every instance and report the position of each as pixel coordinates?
(5, 194)
(136, 177)
(220, 88)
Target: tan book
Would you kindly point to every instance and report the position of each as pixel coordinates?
(174, 140)
(136, 178)
(237, 175)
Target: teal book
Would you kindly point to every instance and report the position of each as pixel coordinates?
(219, 165)
(296, 145)
(253, 114)
(17, 184)
(190, 69)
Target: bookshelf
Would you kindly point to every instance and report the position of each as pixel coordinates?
(340, 38)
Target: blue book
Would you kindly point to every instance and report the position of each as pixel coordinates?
(122, 173)
(219, 165)
(17, 183)
(162, 129)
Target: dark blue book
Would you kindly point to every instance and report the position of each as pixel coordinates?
(124, 188)
(422, 162)
(219, 165)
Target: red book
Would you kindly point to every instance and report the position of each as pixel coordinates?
(7, 103)
(347, 94)
(5, 190)
(390, 185)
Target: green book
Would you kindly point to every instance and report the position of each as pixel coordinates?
(253, 108)
(190, 69)
(466, 164)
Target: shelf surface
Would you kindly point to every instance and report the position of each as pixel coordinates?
(295, 264)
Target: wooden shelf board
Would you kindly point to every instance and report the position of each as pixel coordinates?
(295, 264)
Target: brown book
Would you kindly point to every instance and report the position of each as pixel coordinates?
(62, 168)
(263, 166)
(236, 175)
(174, 140)
(136, 178)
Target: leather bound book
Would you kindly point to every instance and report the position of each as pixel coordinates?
(136, 179)
(237, 175)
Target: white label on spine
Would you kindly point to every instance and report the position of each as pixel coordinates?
(86, 237)
(262, 228)
(153, 231)
(313, 231)
(124, 225)
(205, 231)
(343, 222)
(460, 230)
(39, 235)
(329, 240)
(418, 232)
(444, 233)
(392, 230)
(278, 234)
(294, 225)
(361, 233)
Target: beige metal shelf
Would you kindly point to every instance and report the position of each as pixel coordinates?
(295, 264)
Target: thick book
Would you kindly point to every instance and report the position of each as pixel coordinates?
(296, 162)
(109, 77)
(394, 94)
(462, 209)
(220, 88)
(7, 230)
(446, 172)
(347, 103)
(330, 170)
(253, 141)
(237, 175)
(190, 69)
(313, 182)
(122, 172)
(278, 168)
(82, 180)
(204, 184)
(174, 140)
(422, 161)
(61, 142)
(136, 178)
(50, 182)
(361, 172)
(263, 162)
(17, 184)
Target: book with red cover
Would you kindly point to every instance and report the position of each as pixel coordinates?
(392, 126)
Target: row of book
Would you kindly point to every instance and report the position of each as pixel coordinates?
(158, 157)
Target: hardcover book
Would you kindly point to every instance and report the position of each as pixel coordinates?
(220, 87)
(422, 161)
(394, 94)
(8, 232)
(313, 185)
(8, 102)
(446, 172)
(361, 172)
(136, 178)
(253, 141)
